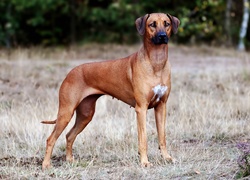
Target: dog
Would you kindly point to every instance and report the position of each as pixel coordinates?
(141, 80)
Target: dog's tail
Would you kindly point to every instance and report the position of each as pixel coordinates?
(49, 122)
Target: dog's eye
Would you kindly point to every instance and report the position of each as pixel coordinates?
(166, 24)
(153, 24)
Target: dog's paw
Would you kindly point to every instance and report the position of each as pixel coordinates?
(46, 165)
(146, 164)
(169, 159)
(70, 158)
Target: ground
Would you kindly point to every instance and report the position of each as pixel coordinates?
(208, 114)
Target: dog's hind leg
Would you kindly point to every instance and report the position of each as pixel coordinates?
(69, 99)
(61, 122)
(84, 114)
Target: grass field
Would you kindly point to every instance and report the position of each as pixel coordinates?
(208, 114)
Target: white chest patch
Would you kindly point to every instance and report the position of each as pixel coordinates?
(159, 91)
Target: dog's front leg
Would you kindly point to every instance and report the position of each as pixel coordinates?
(160, 118)
(142, 134)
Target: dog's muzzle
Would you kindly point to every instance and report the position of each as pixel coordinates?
(160, 38)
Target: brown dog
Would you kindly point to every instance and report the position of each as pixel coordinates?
(142, 80)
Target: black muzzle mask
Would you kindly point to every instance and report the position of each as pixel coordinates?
(160, 38)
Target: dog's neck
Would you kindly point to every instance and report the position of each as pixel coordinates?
(157, 55)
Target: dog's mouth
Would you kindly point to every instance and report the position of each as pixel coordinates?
(160, 38)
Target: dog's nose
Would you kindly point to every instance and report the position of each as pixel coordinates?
(162, 35)
(160, 38)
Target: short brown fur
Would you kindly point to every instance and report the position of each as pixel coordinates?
(129, 79)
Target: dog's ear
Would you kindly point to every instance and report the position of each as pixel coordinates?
(141, 23)
(175, 23)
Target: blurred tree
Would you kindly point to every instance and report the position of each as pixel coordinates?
(49, 22)
(228, 23)
(244, 26)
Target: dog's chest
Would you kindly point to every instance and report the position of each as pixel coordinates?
(159, 91)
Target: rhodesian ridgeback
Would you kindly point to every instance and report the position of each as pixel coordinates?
(141, 80)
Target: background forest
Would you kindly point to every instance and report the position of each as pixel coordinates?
(208, 117)
(49, 22)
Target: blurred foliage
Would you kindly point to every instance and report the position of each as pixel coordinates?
(50, 22)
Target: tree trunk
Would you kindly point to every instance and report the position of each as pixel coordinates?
(8, 28)
(244, 25)
(228, 23)
(72, 22)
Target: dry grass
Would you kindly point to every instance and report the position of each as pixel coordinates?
(208, 113)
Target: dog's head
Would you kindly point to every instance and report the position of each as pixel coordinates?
(157, 27)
